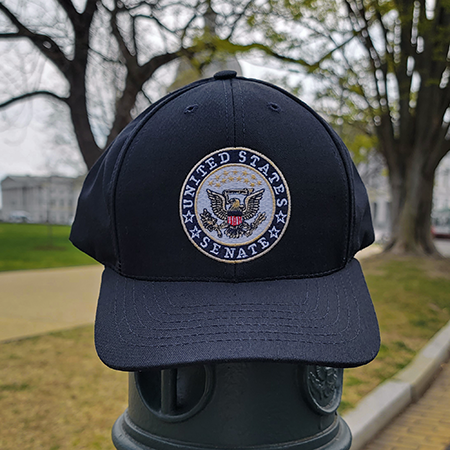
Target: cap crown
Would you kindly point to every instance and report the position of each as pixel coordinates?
(128, 215)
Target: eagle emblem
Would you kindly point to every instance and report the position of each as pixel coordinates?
(234, 215)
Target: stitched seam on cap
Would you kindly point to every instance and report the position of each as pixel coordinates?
(348, 166)
(228, 304)
(182, 279)
(233, 112)
(123, 153)
(297, 326)
(227, 128)
(241, 95)
(264, 332)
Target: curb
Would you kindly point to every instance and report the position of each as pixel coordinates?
(389, 399)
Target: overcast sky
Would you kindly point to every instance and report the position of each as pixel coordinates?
(20, 150)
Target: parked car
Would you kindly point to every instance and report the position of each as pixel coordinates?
(19, 217)
(441, 224)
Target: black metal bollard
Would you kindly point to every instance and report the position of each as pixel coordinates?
(234, 405)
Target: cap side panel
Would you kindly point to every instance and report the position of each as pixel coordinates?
(350, 170)
(144, 117)
(363, 229)
(92, 230)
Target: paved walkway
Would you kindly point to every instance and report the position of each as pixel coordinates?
(39, 301)
(425, 425)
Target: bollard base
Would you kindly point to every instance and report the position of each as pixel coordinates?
(128, 436)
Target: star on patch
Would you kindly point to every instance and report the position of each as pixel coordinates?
(188, 217)
(274, 232)
(281, 217)
(195, 232)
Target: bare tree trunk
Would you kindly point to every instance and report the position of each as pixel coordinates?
(83, 132)
(124, 105)
(412, 199)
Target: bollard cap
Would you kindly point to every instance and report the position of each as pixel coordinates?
(227, 216)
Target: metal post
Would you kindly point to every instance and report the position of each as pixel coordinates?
(234, 405)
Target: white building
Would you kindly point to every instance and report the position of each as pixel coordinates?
(40, 199)
(441, 199)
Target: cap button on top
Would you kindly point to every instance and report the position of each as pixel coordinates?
(225, 74)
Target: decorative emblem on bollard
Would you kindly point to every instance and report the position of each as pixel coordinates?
(323, 388)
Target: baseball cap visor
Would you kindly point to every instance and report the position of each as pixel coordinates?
(327, 320)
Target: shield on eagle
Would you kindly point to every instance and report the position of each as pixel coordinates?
(234, 218)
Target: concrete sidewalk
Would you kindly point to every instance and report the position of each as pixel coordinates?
(40, 301)
(425, 425)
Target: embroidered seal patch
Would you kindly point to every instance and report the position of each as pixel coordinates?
(235, 205)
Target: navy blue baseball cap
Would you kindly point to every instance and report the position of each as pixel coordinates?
(227, 216)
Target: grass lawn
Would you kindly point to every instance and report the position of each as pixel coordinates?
(36, 246)
(56, 395)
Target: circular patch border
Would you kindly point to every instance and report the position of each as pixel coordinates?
(203, 170)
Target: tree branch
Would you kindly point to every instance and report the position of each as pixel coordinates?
(89, 11)
(386, 129)
(45, 44)
(159, 60)
(68, 7)
(30, 95)
(10, 36)
(238, 18)
(129, 57)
